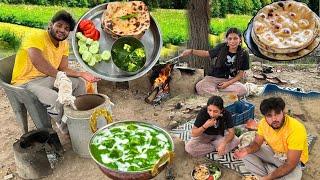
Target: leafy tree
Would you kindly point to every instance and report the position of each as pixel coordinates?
(215, 8)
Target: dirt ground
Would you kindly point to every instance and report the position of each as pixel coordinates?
(131, 106)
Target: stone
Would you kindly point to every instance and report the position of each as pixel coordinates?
(172, 125)
(9, 176)
(178, 106)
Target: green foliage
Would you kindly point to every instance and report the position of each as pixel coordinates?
(173, 25)
(178, 4)
(223, 8)
(215, 7)
(234, 6)
(220, 25)
(256, 6)
(265, 2)
(247, 6)
(33, 16)
(12, 41)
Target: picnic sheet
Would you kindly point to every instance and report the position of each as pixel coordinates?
(227, 160)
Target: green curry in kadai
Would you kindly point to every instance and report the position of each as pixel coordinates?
(129, 147)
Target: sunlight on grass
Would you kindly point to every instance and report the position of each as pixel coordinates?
(18, 30)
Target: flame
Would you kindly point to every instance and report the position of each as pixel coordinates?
(163, 75)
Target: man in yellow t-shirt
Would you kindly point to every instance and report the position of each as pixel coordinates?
(286, 149)
(40, 58)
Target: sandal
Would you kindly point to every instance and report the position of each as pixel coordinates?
(276, 80)
(261, 76)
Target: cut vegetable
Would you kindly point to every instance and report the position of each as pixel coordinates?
(82, 49)
(80, 36)
(86, 56)
(89, 41)
(94, 48)
(106, 55)
(96, 57)
(91, 62)
(82, 43)
(96, 36)
(85, 24)
(127, 47)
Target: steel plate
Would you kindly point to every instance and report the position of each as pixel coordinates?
(151, 40)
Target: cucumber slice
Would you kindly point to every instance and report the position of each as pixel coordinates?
(82, 49)
(89, 41)
(82, 43)
(106, 55)
(91, 62)
(97, 58)
(86, 56)
(94, 47)
(80, 36)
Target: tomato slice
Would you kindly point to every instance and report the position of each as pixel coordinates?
(88, 31)
(84, 24)
(96, 35)
(90, 34)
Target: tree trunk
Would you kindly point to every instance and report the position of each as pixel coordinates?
(198, 14)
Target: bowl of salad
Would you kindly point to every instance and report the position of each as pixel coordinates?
(128, 54)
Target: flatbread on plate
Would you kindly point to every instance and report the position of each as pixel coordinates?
(284, 27)
(294, 55)
(126, 18)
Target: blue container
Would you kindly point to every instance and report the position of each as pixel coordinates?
(241, 111)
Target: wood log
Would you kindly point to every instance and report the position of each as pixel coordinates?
(152, 95)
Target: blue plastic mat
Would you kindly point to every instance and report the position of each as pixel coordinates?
(296, 92)
(183, 132)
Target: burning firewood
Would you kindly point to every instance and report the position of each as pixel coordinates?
(160, 88)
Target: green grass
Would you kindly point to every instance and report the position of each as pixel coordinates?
(220, 25)
(173, 23)
(33, 13)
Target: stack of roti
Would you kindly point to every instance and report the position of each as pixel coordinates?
(126, 19)
(286, 30)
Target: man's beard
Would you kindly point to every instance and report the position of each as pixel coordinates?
(277, 125)
(54, 35)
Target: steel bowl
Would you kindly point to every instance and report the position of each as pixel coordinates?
(122, 175)
(132, 42)
(151, 40)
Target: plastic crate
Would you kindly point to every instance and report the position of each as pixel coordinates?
(241, 111)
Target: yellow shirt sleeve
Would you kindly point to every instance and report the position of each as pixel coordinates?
(260, 127)
(33, 41)
(297, 139)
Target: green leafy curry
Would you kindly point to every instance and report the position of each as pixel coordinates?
(129, 147)
(129, 56)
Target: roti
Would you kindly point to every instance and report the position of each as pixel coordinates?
(284, 27)
(126, 18)
(294, 55)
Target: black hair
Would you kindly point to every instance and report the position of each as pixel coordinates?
(216, 101)
(272, 104)
(64, 16)
(236, 31)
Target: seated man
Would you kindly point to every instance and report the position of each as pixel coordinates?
(212, 130)
(40, 58)
(287, 147)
